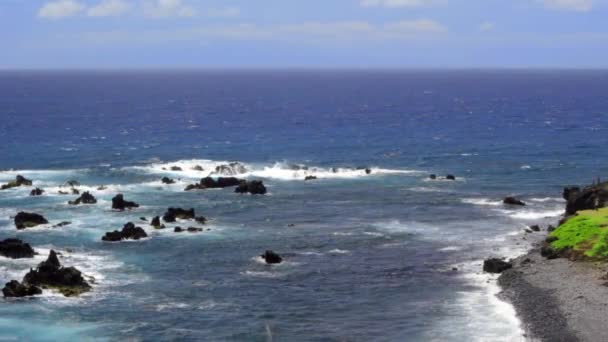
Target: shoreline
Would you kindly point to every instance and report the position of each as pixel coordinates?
(558, 299)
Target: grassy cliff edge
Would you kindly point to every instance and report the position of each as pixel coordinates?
(586, 234)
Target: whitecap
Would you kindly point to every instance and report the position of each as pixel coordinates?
(481, 201)
(339, 251)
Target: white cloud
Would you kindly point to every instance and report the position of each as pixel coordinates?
(167, 8)
(486, 26)
(60, 9)
(109, 8)
(396, 3)
(569, 5)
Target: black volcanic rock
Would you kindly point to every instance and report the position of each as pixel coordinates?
(16, 249)
(176, 168)
(36, 192)
(119, 203)
(591, 197)
(178, 213)
(495, 265)
(433, 177)
(450, 177)
(271, 257)
(85, 198)
(231, 169)
(307, 178)
(156, 223)
(210, 183)
(194, 229)
(50, 274)
(513, 201)
(128, 232)
(167, 180)
(16, 289)
(27, 220)
(254, 187)
(19, 181)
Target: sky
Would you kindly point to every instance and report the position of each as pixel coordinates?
(115, 34)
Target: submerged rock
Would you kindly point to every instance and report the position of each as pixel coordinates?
(433, 177)
(16, 289)
(50, 274)
(128, 232)
(450, 177)
(198, 168)
(27, 220)
(16, 249)
(194, 229)
(178, 213)
(496, 265)
(119, 203)
(271, 257)
(513, 201)
(61, 224)
(254, 187)
(176, 168)
(85, 198)
(535, 228)
(36, 192)
(307, 178)
(19, 181)
(167, 180)
(72, 183)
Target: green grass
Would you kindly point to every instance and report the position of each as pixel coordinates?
(586, 233)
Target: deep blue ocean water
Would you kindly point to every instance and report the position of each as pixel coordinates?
(368, 257)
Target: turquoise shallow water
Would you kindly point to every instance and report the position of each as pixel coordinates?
(368, 257)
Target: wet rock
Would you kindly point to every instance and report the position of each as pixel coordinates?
(551, 239)
(119, 203)
(63, 192)
(230, 169)
(178, 213)
(19, 181)
(156, 223)
(101, 188)
(210, 183)
(176, 168)
(75, 191)
(271, 257)
(72, 183)
(433, 177)
(549, 252)
(50, 274)
(198, 168)
(143, 219)
(27, 220)
(167, 180)
(85, 198)
(16, 249)
(450, 177)
(194, 229)
(128, 232)
(254, 187)
(495, 265)
(201, 219)
(535, 228)
(178, 229)
(513, 201)
(16, 289)
(550, 228)
(36, 192)
(307, 178)
(61, 224)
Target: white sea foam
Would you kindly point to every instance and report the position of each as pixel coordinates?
(482, 201)
(396, 227)
(339, 251)
(526, 214)
(547, 199)
(279, 170)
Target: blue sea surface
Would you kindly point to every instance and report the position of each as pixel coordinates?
(384, 256)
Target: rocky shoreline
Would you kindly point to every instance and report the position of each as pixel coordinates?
(562, 294)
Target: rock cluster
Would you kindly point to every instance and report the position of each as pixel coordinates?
(128, 232)
(119, 203)
(19, 181)
(254, 187)
(85, 198)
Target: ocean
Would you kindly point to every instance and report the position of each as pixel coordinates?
(385, 256)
